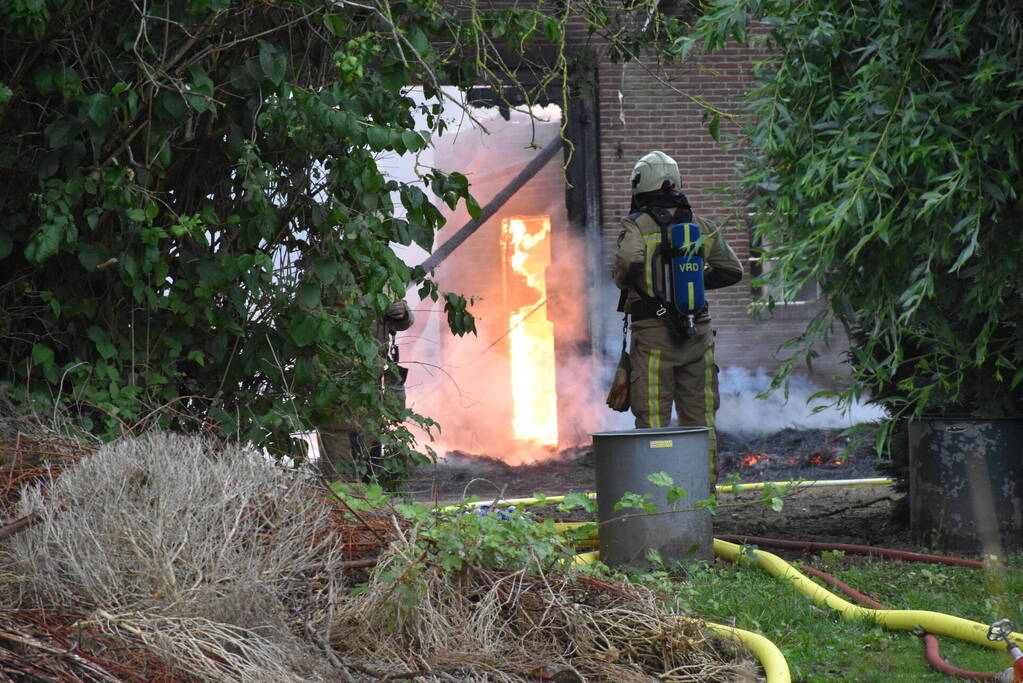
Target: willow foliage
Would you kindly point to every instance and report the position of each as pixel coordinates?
(885, 164)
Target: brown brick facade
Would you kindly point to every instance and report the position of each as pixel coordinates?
(643, 107)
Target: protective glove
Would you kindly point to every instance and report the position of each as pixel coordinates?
(618, 397)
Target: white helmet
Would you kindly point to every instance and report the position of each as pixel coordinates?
(650, 172)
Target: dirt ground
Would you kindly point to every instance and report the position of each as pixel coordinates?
(846, 514)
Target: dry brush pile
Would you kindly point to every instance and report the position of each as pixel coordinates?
(170, 558)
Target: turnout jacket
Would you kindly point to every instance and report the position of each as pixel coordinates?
(637, 261)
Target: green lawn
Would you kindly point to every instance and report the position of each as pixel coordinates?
(820, 646)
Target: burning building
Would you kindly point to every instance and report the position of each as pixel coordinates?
(522, 386)
(534, 379)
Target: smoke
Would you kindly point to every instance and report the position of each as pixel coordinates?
(467, 384)
(742, 412)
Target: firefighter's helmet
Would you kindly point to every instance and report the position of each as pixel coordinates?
(652, 171)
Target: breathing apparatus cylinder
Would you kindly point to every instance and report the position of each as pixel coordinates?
(684, 278)
(687, 264)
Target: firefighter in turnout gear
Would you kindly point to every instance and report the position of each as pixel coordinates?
(672, 349)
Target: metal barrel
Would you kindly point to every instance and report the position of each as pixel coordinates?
(624, 461)
(966, 485)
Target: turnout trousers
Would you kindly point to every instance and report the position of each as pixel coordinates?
(667, 372)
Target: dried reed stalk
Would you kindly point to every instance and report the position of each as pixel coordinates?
(489, 626)
(222, 543)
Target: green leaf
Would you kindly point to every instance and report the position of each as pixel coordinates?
(412, 141)
(710, 504)
(201, 82)
(676, 494)
(713, 128)
(133, 103)
(472, 207)
(395, 78)
(197, 357)
(44, 80)
(336, 24)
(273, 62)
(67, 81)
(42, 355)
(582, 533)
(366, 347)
(631, 500)
(418, 39)
(777, 504)
(102, 341)
(306, 331)
(662, 479)
(309, 294)
(61, 132)
(451, 562)
(375, 495)
(171, 105)
(200, 90)
(575, 501)
(46, 241)
(419, 514)
(98, 107)
(326, 270)
(653, 556)
(136, 214)
(378, 138)
(552, 29)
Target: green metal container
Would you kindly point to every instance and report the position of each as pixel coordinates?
(624, 461)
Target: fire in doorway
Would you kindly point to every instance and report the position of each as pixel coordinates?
(523, 387)
(527, 250)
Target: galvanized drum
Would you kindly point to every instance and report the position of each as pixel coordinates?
(624, 461)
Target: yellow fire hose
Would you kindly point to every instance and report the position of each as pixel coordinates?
(721, 488)
(771, 659)
(776, 669)
(898, 619)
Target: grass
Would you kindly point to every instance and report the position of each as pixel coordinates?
(820, 646)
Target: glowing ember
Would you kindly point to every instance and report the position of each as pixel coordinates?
(531, 340)
(752, 459)
(821, 459)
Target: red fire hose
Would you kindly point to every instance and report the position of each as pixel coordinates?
(930, 641)
(849, 548)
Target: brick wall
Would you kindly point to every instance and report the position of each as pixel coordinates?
(644, 107)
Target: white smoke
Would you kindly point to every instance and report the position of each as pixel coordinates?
(742, 412)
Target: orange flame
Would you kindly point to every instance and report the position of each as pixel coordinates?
(752, 459)
(531, 339)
